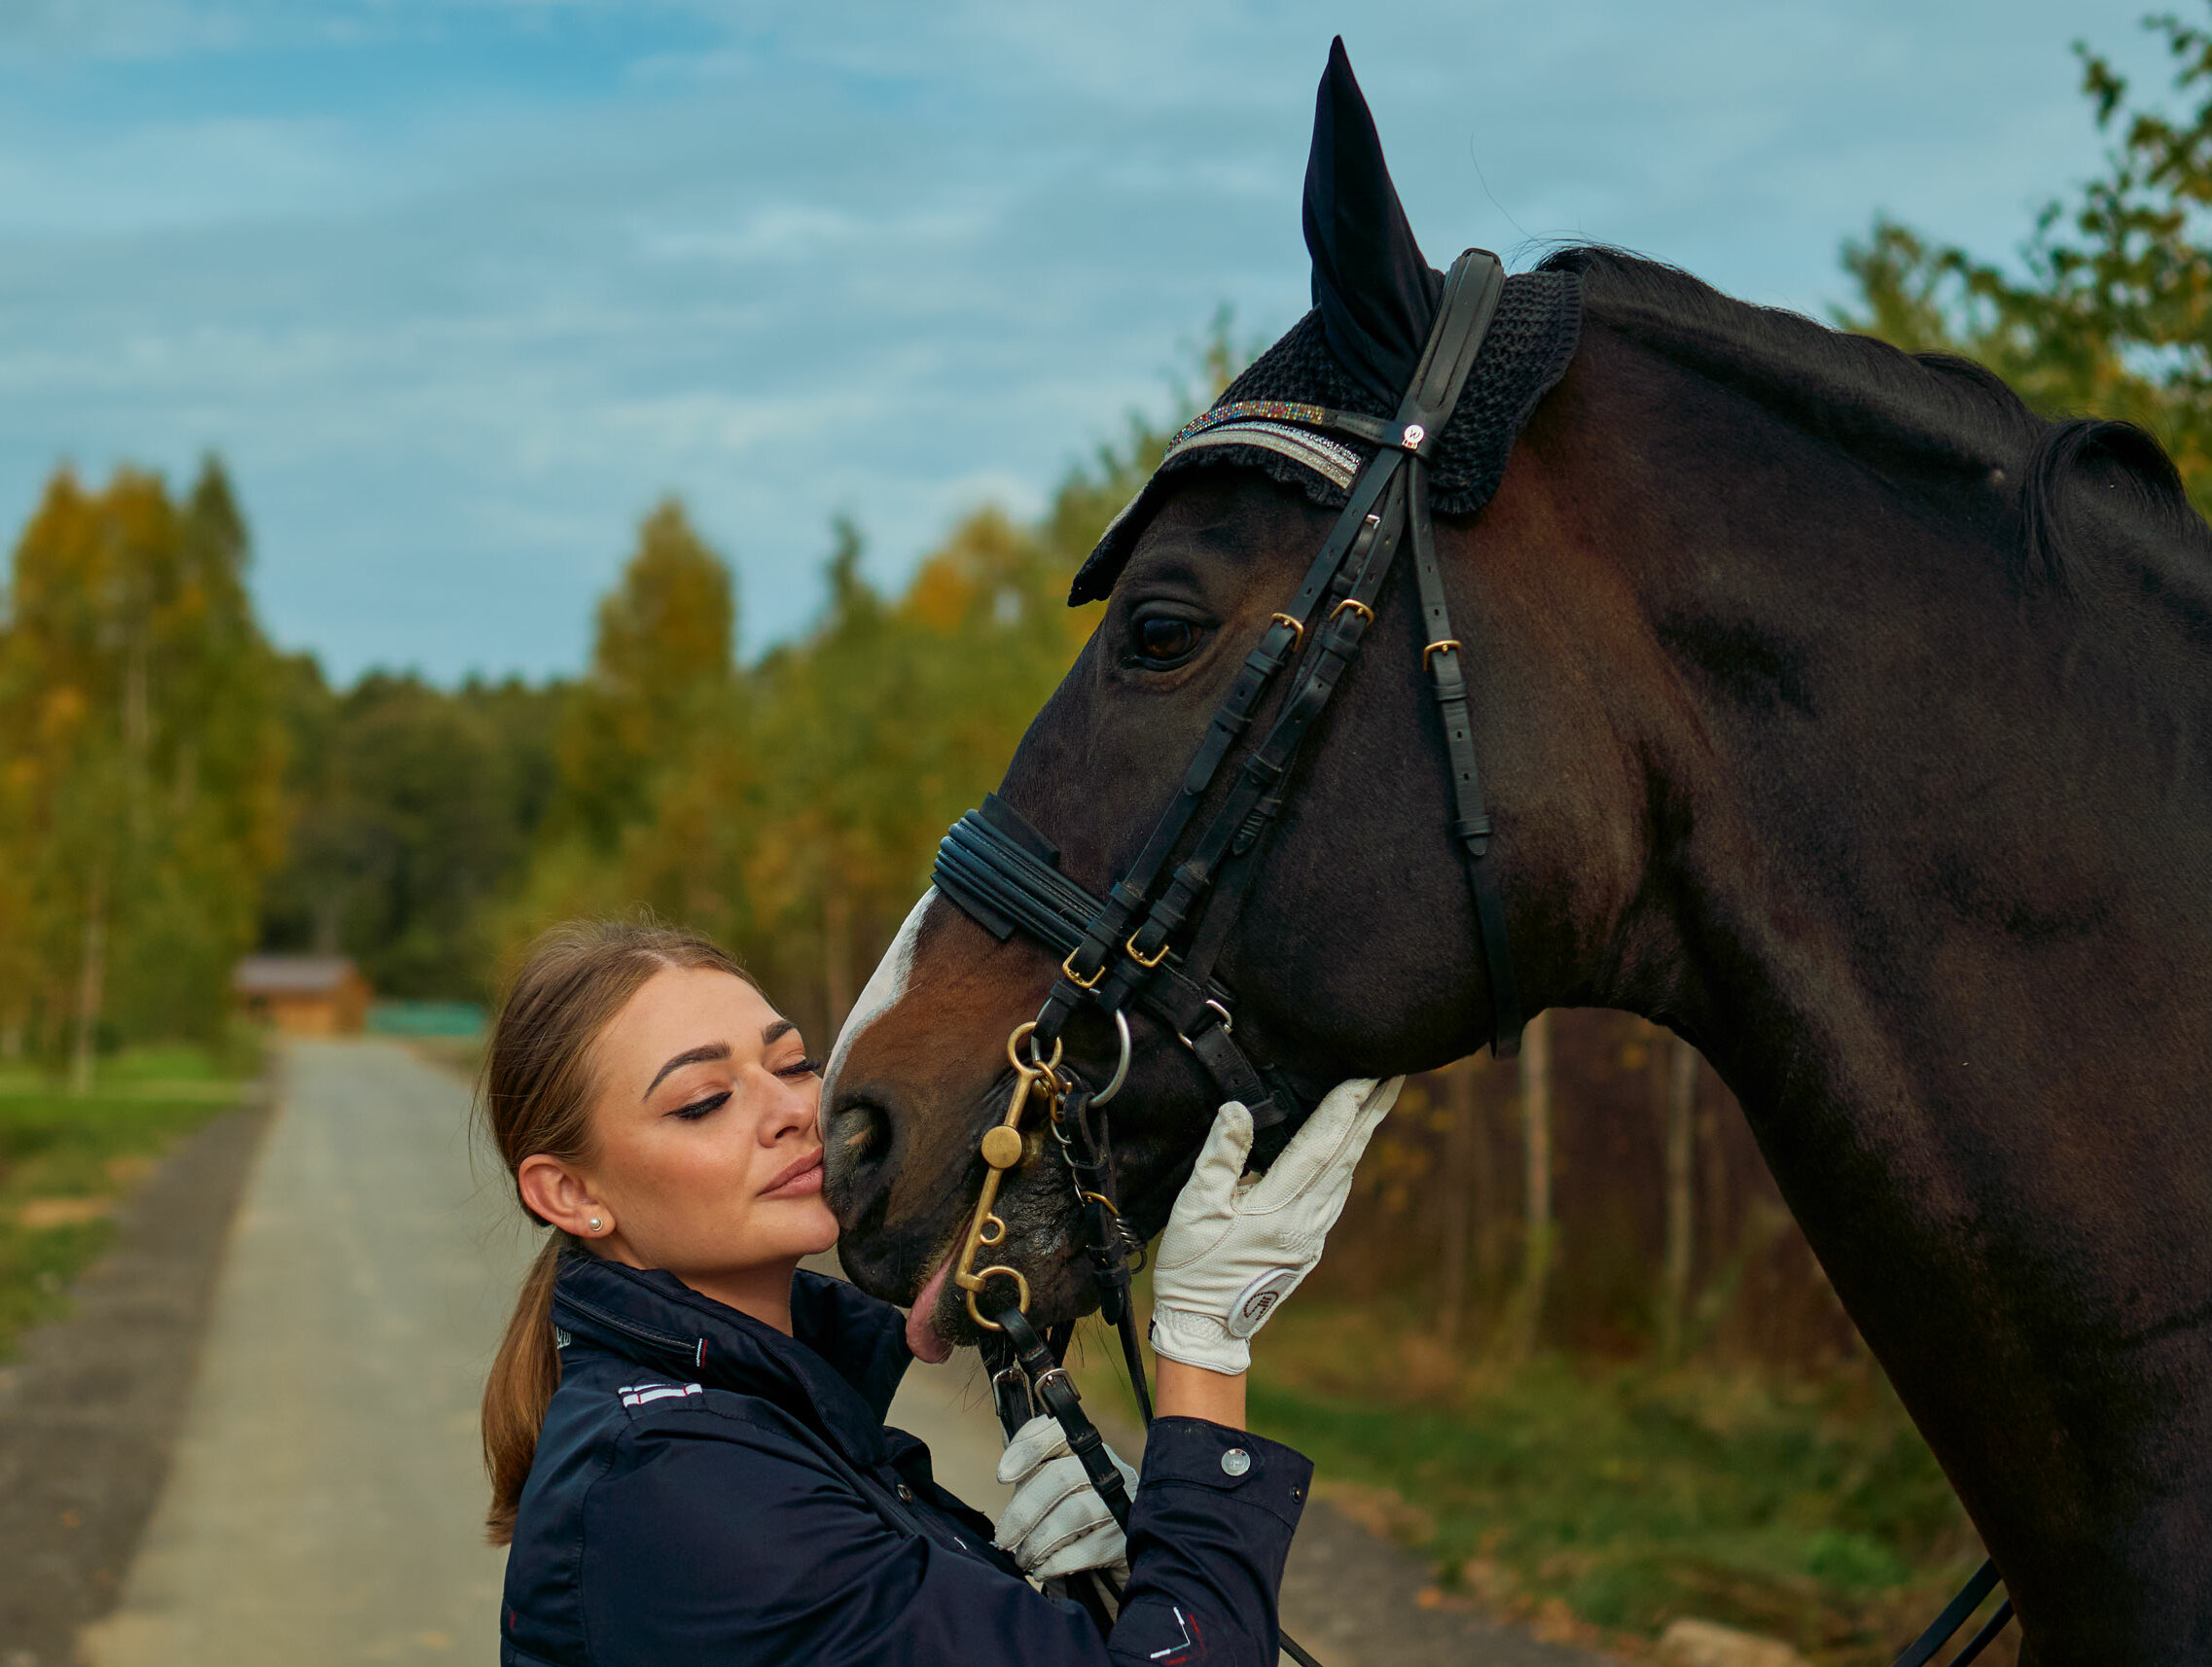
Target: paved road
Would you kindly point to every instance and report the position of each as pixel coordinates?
(326, 1499)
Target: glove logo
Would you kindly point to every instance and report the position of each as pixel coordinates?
(1256, 1301)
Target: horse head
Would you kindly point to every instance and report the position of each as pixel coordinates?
(1354, 952)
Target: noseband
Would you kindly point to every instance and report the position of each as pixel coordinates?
(1155, 946)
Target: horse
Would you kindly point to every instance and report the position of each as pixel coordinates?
(1836, 713)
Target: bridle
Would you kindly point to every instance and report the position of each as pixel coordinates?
(1152, 940)
(1154, 945)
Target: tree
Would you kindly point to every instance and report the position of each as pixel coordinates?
(2113, 313)
(1525, 1314)
(1679, 1061)
(416, 812)
(661, 665)
(141, 759)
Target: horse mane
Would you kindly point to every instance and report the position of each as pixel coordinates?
(1925, 413)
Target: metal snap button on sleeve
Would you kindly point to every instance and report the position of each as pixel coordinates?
(1236, 1462)
(906, 1493)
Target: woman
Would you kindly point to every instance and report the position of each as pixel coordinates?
(686, 1433)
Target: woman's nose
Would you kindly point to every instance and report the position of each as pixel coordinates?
(792, 1105)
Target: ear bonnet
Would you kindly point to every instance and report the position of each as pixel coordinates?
(1374, 299)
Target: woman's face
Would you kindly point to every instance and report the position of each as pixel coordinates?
(709, 1160)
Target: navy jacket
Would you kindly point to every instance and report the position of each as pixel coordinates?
(708, 1491)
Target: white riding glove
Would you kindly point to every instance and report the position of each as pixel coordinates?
(1055, 1523)
(1237, 1244)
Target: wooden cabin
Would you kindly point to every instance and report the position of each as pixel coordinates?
(303, 995)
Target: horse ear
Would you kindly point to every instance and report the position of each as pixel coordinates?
(1375, 290)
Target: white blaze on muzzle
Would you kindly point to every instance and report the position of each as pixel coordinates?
(885, 986)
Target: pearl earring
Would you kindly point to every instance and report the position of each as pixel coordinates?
(595, 1224)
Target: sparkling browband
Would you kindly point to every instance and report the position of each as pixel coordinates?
(1332, 460)
(1240, 410)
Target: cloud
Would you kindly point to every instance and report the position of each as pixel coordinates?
(461, 289)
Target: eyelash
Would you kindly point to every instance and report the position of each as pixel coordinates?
(698, 1109)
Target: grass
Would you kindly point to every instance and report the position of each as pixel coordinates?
(64, 1161)
(1600, 1502)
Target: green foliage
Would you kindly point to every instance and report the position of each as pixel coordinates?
(140, 763)
(57, 1151)
(2111, 312)
(416, 808)
(1810, 1511)
(661, 667)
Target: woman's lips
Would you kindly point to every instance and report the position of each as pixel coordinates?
(795, 1182)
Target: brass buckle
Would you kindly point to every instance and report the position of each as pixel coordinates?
(1076, 978)
(1366, 613)
(1452, 643)
(1298, 631)
(1137, 956)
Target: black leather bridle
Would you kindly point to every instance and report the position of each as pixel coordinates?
(1154, 945)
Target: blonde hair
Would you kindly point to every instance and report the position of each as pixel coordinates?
(538, 1090)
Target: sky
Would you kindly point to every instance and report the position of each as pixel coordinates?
(458, 289)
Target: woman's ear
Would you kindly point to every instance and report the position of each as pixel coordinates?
(561, 1198)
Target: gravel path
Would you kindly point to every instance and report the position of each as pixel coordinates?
(327, 1497)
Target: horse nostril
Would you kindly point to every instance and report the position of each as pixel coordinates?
(860, 1133)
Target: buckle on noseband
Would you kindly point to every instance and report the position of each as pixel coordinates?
(1298, 631)
(1356, 606)
(1067, 969)
(1228, 1026)
(1452, 643)
(1137, 955)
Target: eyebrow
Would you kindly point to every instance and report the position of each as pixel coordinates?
(689, 1057)
(771, 1033)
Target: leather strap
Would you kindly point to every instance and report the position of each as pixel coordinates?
(1979, 1585)
(1471, 826)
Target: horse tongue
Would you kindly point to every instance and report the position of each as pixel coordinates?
(921, 1325)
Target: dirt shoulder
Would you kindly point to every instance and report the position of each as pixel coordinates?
(91, 1408)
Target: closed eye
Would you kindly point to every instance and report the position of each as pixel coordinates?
(698, 1109)
(801, 1067)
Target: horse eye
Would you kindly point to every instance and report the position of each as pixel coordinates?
(1163, 641)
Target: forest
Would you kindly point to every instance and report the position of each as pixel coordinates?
(176, 791)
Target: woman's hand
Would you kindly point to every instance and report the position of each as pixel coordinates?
(1237, 1245)
(1055, 1523)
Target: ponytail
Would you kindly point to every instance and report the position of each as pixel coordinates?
(524, 1374)
(539, 1090)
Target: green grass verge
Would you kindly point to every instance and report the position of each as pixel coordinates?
(65, 1159)
(1615, 1499)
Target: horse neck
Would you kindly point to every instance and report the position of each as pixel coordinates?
(1929, 880)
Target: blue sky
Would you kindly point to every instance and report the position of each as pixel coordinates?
(458, 288)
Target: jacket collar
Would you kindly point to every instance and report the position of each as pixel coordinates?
(838, 1371)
